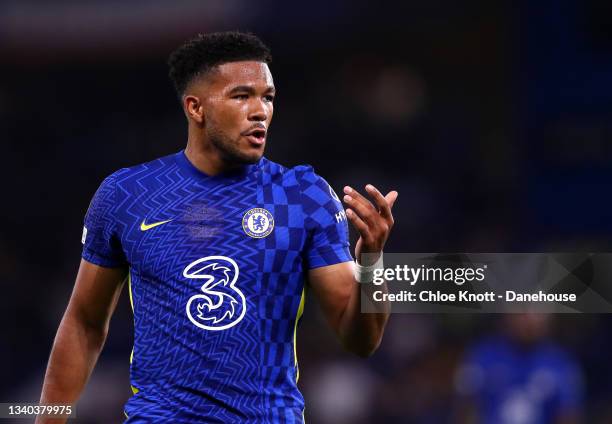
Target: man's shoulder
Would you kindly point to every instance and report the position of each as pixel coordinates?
(297, 174)
(139, 172)
(315, 191)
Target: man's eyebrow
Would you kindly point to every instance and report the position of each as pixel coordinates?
(243, 88)
(249, 89)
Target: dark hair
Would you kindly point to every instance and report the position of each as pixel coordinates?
(202, 53)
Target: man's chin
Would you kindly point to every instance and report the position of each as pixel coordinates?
(252, 155)
(249, 158)
(238, 152)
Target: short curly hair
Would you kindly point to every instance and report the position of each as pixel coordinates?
(202, 53)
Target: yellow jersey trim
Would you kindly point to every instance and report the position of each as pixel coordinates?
(132, 305)
(299, 314)
(134, 389)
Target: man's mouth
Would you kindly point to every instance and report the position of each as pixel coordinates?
(256, 136)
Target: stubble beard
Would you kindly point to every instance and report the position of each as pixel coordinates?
(229, 149)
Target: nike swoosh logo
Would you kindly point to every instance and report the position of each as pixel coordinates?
(145, 227)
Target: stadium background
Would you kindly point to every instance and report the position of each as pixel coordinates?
(491, 119)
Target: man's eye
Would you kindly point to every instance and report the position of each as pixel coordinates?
(241, 96)
(269, 98)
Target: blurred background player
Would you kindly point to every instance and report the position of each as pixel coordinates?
(520, 376)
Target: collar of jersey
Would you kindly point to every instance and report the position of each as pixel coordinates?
(225, 177)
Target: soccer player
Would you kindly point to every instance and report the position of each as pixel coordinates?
(520, 375)
(216, 242)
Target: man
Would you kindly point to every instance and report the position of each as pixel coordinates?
(215, 242)
(520, 376)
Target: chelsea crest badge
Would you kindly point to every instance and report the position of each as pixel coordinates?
(258, 223)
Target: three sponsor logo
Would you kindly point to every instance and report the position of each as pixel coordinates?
(219, 304)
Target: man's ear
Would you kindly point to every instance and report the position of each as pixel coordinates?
(193, 108)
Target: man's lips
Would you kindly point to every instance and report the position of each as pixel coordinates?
(256, 136)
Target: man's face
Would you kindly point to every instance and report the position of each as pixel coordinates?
(238, 105)
(528, 328)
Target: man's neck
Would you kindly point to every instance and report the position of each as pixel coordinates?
(206, 159)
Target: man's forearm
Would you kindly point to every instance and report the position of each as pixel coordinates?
(74, 354)
(362, 333)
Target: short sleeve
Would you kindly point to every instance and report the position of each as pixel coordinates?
(325, 221)
(101, 243)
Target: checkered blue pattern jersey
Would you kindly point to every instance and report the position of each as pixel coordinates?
(216, 280)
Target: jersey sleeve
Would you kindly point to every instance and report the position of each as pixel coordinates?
(325, 221)
(101, 243)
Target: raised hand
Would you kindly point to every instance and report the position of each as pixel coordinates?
(373, 220)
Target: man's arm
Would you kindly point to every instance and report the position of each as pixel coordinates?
(81, 334)
(335, 286)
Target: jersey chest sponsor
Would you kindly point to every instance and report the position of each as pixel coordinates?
(219, 303)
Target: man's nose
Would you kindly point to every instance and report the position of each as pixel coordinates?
(258, 111)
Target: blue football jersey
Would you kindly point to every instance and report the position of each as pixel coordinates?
(511, 384)
(216, 282)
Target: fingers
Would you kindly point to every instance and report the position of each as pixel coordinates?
(366, 210)
(372, 222)
(362, 206)
(380, 201)
(358, 223)
(391, 197)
